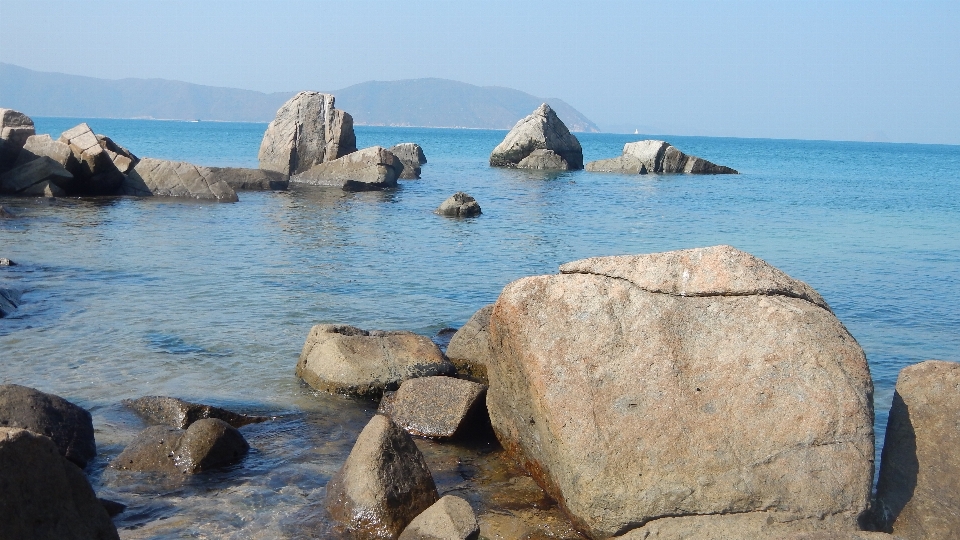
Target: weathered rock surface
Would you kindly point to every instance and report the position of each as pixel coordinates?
(43, 496)
(750, 526)
(544, 160)
(347, 360)
(450, 518)
(656, 157)
(469, 349)
(161, 178)
(687, 383)
(98, 173)
(181, 414)
(541, 130)
(918, 492)
(383, 485)
(436, 407)
(364, 170)
(15, 129)
(38, 178)
(122, 159)
(307, 131)
(69, 426)
(241, 179)
(208, 443)
(459, 205)
(411, 156)
(38, 146)
(9, 300)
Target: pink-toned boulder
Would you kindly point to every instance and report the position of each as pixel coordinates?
(307, 131)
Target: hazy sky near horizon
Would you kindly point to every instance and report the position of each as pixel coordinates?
(844, 70)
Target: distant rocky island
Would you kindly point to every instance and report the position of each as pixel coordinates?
(414, 102)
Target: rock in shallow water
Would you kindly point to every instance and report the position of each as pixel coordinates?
(411, 156)
(369, 169)
(241, 179)
(469, 350)
(459, 205)
(542, 130)
(69, 426)
(656, 157)
(306, 131)
(42, 177)
(436, 407)
(161, 178)
(450, 518)
(180, 414)
(207, 444)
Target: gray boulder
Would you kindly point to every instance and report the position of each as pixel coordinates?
(241, 179)
(41, 177)
(9, 300)
(68, 425)
(122, 159)
(435, 407)
(161, 178)
(98, 173)
(369, 169)
(450, 518)
(469, 349)
(6, 262)
(751, 526)
(918, 492)
(411, 155)
(656, 157)
(544, 160)
(181, 414)
(38, 146)
(44, 496)
(383, 485)
(459, 205)
(687, 383)
(541, 130)
(307, 131)
(347, 360)
(15, 129)
(208, 443)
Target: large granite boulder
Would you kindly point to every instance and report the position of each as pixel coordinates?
(364, 170)
(383, 485)
(656, 157)
(208, 443)
(161, 178)
(41, 177)
(69, 426)
(436, 407)
(347, 360)
(751, 526)
(241, 179)
(44, 496)
(918, 492)
(687, 383)
(99, 175)
(9, 299)
(181, 414)
(459, 205)
(15, 129)
(450, 518)
(469, 350)
(411, 156)
(307, 131)
(542, 130)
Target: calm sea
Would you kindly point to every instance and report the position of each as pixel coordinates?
(212, 302)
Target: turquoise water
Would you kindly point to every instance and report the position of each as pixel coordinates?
(212, 302)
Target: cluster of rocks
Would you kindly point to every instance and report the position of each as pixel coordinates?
(656, 157)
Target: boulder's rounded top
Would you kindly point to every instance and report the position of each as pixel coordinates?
(710, 271)
(12, 118)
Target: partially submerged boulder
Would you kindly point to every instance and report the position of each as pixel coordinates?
(411, 156)
(544, 160)
(43, 496)
(364, 170)
(469, 349)
(69, 426)
(208, 443)
(41, 177)
(688, 383)
(9, 300)
(450, 518)
(347, 360)
(15, 129)
(918, 492)
(161, 178)
(307, 131)
(241, 179)
(383, 485)
(181, 414)
(459, 205)
(436, 407)
(656, 157)
(98, 173)
(541, 130)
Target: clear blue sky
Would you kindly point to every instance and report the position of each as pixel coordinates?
(847, 70)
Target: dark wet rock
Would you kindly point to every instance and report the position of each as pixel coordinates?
(161, 178)
(918, 491)
(69, 426)
(544, 160)
(450, 518)
(44, 496)
(41, 177)
(542, 130)
(436, 407)
(241, 179)
(411, 155)
(369, 169)
(9, 300)
(656, 157)
(207, 444)
(383, 485)
(178, 413)
(347, 360)
(306, 131)
(113, 508)
(459, 205)
(15, 129)
(469, 349)
(97, 171)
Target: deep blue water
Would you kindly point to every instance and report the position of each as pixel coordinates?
(129, 297)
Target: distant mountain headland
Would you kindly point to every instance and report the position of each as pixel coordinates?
(414, 102)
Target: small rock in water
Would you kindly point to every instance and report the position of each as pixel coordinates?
(207, 444)
(656, 157)
(450, 518)
(69, 426)
(6, 262)
(436, 407)
(459, 205)
(180, 414)
(411, 156)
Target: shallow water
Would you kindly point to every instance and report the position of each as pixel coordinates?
(212, 302)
